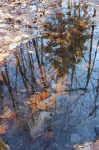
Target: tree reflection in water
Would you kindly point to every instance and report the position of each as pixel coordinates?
(63, 53)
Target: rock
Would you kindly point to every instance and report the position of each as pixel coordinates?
(38, 122)
(85, 146)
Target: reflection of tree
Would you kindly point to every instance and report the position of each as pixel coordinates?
(67, 36)
(8, 84)
(60, 48)
(90, 57)
(58, 56)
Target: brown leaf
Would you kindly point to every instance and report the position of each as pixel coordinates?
(33, 107)
(41, 105)
(2, 56)
(3, 128)
(11, 116)
(6, 112)
(39, 97)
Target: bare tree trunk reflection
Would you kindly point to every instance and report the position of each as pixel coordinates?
(90, 55)
(39, 64)
(8, 84)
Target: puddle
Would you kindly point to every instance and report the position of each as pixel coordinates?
(56, 72)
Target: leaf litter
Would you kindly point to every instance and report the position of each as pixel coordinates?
(7, 115)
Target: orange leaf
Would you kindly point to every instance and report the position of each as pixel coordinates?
(6, 112)
(41, 105)
(33, 107)
(3, 128)
(41, 96)
(38, 97)
(12, 115)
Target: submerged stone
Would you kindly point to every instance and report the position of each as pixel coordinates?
(38, 122)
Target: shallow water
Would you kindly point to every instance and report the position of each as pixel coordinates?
(62, 61)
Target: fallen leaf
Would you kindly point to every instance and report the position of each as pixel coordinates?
(3, 128)
(41, 105)
(33, 107)
(11, 116)
(2, 56)
(6, 112)
(39, 97)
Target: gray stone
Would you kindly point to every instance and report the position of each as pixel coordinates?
(38, 122)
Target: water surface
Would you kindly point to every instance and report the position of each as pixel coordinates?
(62, 61)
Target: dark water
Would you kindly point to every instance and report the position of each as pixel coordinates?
(63, 59)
